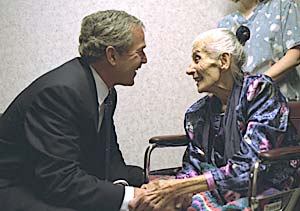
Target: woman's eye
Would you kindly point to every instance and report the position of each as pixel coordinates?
(196, 58)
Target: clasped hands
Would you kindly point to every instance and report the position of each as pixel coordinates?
(160, 195)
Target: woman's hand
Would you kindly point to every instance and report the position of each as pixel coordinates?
(160, 195)
(171, 194)
(157, 195)
(155, 184)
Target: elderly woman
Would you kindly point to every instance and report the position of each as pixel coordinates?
(244, 116)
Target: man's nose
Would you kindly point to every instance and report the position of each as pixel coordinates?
(144, 59)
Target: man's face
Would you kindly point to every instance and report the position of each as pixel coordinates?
(129, 62)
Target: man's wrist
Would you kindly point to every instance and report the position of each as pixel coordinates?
(128, 196)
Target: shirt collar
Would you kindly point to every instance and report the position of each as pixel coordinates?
(101, 88)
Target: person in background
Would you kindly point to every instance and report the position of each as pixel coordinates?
(243, 116)
(274, 44)
(58, 145)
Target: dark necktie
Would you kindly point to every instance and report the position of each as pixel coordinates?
(107, 120)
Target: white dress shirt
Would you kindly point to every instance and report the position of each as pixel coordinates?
(102, 92)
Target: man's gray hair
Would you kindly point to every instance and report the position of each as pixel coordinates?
(220, 40)
(106, 28)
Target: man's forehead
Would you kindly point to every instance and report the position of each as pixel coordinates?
(138, 31)
(138, 38)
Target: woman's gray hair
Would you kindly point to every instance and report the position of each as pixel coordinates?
(106, 28)
(220, 40)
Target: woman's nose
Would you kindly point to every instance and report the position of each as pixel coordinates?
(190, 70)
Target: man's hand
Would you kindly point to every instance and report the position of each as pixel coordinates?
(147, 200)
(135, 203)
(159, 195)
(150, 200)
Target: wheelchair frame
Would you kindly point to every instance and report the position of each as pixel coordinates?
(269, 203)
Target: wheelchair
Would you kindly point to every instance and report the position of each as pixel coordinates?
(283, 201)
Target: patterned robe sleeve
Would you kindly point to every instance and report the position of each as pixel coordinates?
(262, 115)
(263, 121)
(197, 127)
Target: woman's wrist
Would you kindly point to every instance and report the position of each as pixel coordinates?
(192, 185)
(210, 180)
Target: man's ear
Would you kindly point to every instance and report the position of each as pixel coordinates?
(225, 61)
(111, 55)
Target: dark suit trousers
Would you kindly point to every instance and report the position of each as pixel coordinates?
(18, 198)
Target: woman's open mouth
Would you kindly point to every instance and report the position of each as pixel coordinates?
(198, 79)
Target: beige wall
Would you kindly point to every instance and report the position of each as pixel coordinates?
(37, 35)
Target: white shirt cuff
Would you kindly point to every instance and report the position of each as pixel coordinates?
(128, 196)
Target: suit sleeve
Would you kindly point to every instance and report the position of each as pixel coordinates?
(118, 168)
(52, 129)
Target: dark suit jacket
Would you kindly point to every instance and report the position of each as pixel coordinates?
(49, 141)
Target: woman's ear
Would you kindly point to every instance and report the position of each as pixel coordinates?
(225, 61)
(111, 55)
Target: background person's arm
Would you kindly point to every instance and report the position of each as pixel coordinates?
(284, 65)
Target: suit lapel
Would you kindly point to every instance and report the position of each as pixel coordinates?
(91, 92)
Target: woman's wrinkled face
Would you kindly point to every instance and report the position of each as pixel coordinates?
(205, 69)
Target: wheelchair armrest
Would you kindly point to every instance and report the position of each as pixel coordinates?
(285, 153)
(170, 140)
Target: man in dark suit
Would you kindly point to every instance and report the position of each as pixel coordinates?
(58, 146)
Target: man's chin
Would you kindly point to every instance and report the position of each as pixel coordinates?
(131, 83)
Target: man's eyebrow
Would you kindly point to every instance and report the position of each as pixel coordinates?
(141, 48)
